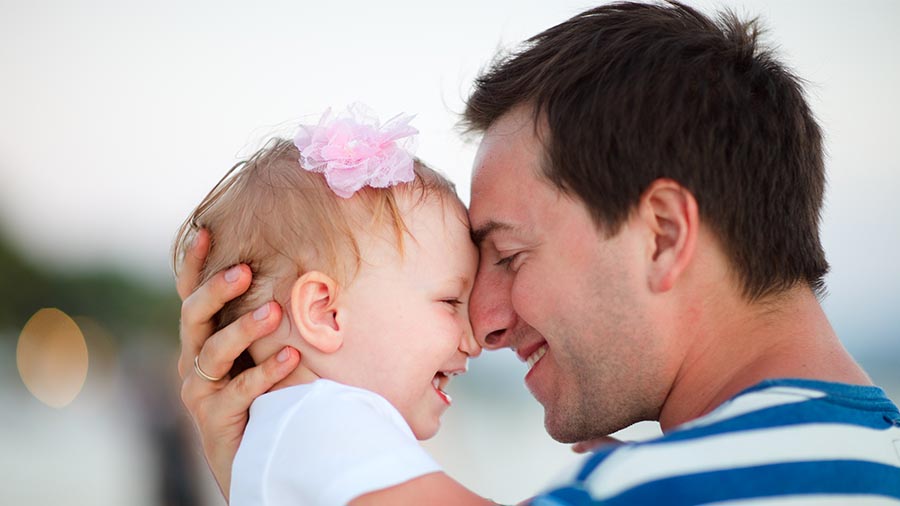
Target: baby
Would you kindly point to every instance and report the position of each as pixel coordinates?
(368, 252)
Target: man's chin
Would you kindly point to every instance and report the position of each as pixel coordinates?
(561, 427)
(565, 424)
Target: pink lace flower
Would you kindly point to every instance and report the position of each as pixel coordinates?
(354, 150)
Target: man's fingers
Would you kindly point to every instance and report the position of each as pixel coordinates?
(208, 299)
(193, 390)
(198, 309)
(250, 384)
(220, 350)
(188, 273)
(220, 409)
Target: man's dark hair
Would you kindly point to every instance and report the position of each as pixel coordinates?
(632, 92)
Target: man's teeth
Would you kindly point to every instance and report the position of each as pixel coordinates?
(436, 382)
(531, 360)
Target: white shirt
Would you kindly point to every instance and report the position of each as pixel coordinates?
(323, 444)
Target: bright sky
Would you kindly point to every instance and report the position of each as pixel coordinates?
(117, 117)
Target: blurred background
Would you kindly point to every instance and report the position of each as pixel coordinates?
(116, 118)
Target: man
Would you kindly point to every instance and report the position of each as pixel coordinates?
(646, 203)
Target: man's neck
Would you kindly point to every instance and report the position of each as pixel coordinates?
(740, 344)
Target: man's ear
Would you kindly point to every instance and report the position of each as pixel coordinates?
(669, 210)
(314, 312)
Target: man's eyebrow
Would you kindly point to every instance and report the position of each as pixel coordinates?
(480, 234)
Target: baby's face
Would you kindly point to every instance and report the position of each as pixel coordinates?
(406, 321)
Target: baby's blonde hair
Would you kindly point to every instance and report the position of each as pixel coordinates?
(282, 221)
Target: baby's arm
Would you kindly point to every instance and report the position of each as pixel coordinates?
(436, 489)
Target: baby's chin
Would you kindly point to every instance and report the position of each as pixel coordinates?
(426, 430)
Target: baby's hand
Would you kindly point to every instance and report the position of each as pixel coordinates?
(594, 444)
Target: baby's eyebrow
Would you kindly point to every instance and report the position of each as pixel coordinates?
(481, 233)
(460, 282)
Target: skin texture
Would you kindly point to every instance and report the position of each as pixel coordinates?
(645, 323)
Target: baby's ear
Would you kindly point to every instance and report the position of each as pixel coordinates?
(314, 312)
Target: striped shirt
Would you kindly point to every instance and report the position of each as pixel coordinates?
(779, 443)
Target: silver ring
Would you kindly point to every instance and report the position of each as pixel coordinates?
(202, 374)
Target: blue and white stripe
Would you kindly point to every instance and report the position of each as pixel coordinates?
(784, 442)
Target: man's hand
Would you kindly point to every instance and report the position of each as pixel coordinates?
(220, 408)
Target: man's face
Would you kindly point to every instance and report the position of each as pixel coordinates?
(567, 299)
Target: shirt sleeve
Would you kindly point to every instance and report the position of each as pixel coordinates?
(340, 444)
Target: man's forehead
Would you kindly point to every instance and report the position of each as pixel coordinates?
(510, 138)
(504, 174)
(489, 198)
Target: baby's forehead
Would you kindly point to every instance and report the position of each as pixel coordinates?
(426, 224)
(434, 252)
(447, 213)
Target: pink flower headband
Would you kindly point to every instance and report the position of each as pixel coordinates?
(353, 150)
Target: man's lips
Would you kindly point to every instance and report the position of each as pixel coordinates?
(536, 356)
(527, 352)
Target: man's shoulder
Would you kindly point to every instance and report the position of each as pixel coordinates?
(779, 437)
(780, 403)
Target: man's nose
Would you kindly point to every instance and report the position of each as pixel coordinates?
(491, 311)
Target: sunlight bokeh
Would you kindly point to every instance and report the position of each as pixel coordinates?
(52, 357)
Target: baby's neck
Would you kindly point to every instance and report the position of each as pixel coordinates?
(299, 376)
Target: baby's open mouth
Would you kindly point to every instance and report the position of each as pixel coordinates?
(439, 382)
